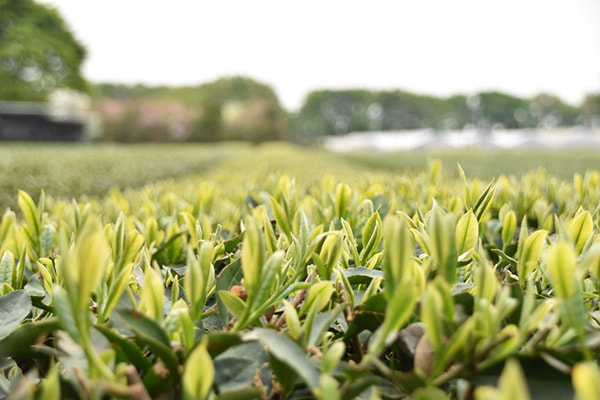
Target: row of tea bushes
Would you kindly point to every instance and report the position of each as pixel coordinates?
(257, 285)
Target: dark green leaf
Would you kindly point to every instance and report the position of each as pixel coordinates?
(14, 308)
(230, 275)
(288, 352)
(65, 313)
(234, 373)
(141, 323)
(369, 316)
(362, 275)
(19, 343)
(130, 349)
(248, 393)
(222, 341)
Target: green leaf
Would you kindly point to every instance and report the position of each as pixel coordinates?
(333, 356)
(50, 386)
(14, 308)
(397, 313)
(512, 382)
(318, 296)
(322, 322)
(198, 374)
(532, 250)
(586, 380)
(431, 308)
(65, 313)
(130, 349)
(397, 251)
(230, 275)
(560, 264)
(429, 393)
(343, 197)
(232, 244)
(270, 272)
(89, 260)
(442, 233)
(330, 254)
(509, 226)
(146, 326)
(362, 275)
(247, 393)
(7, 265)
(467, 233)
(371, 236)
(369, 316)
(253, 256)
(219, 342)
(291, 320)
(281, 217)
(151, 302)
(234, 373)
(581, 229)
(485, 199)
(30, 213)
(232, 303)
(466, 194)
(287, 352)
(19, 343)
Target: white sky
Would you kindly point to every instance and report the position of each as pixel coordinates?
(438, 47)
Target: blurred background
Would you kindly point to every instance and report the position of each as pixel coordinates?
(393, 75)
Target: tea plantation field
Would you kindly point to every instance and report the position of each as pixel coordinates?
(276, 272)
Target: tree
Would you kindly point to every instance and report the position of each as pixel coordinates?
(238, 108)
(591, 110)
(208, 126)
(550, 111)
(509, 111)
(38, 52)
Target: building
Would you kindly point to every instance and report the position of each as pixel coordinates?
(23, 121)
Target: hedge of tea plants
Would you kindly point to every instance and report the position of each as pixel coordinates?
(263, 284)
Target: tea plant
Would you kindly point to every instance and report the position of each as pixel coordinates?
(257, 285)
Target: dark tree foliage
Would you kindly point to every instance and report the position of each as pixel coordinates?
(551, 111)
(509, 111)
(591, 110)
(329, 112)
(38, 52)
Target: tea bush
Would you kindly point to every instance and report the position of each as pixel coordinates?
(300, 276)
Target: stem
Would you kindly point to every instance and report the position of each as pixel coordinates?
(349, 316)
(94, 359)
(299, 298)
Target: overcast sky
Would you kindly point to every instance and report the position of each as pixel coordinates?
(438, 47)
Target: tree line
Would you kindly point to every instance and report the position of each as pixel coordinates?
(329, 112)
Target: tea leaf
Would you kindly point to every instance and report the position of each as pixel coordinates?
(586, 380)
(288, 353)
(198, 374)
(580, 229)
(530, 256)
(397, 250)
(442, 231)
(14, 308)
(512, 383)
(233, 303)
(467, 233)
(560, 264)
(509, 225)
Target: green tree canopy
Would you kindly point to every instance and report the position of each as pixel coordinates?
(591, 109)
(38, 52)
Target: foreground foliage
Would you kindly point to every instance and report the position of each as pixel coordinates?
(262, 286)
